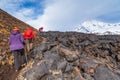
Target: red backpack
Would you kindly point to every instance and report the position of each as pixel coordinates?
(28, 33)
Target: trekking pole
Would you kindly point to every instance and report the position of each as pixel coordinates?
(26, 53)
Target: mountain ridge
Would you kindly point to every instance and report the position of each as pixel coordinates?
(98, 27)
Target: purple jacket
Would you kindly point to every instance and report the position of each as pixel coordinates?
(16, 41)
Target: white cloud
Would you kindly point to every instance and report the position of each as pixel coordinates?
(61, 15)
(64, 14)
(24, 14)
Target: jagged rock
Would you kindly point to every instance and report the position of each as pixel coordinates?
(69, 68)
(77, 78)
(93, 38)
(62, 65)
(87, 76)
(118, 57)
(70, 56)
(103, 73)
(88, 65)
(85, 43)
(52, 60)
(68, 76)
(37, 72)
(54, 77)
(49, 56)
(76, 63)
(104, 53)
(42, 48)
(1, 58)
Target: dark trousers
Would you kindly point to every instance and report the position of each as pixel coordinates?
(18, 61)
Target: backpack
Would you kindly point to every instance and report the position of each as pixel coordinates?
(28, 33)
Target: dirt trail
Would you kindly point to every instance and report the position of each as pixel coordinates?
(7, 73)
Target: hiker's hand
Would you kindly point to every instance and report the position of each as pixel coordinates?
(23, 43)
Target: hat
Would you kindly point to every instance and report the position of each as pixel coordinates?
(15, 29)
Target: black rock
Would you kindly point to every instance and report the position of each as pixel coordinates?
(103, 73)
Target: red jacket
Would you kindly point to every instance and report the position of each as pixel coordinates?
(29, 34)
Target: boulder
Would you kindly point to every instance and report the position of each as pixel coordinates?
(103, 73)
(37, 72)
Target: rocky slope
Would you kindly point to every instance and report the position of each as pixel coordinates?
(74, 56)
(7, 22)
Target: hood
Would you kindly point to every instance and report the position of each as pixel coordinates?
(15, 32)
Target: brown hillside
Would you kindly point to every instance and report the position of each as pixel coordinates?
(7, 23)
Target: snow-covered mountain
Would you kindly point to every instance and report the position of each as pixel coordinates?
(98, 27)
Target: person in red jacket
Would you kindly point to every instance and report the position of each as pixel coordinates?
(41, 34)
(41, 29)
(29, 37)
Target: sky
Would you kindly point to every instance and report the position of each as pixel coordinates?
(62, 15)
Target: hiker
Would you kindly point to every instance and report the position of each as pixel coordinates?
(29, 37)
(16, 42)
(41, 29)
(41, 32)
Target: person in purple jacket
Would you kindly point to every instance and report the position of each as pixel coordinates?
(16, 42)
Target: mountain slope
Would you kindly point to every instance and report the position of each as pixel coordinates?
(99, 27)
(7, 23)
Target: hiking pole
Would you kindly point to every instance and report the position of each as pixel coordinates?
(26, 53)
